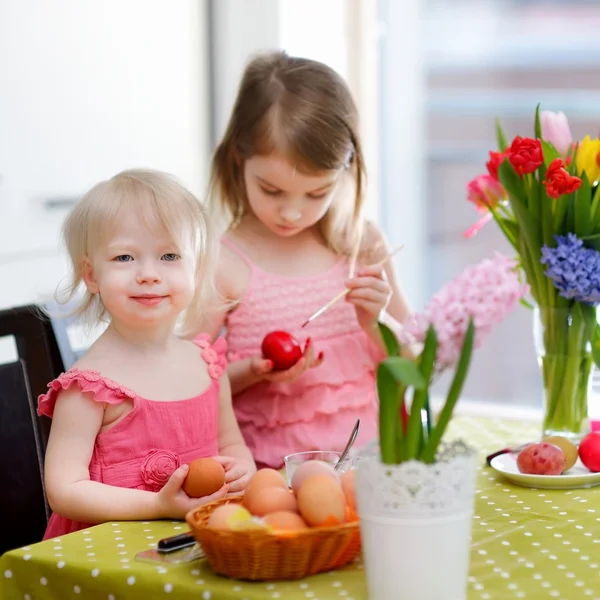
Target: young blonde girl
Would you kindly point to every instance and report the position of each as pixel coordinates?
(287, 186)
(142, 402)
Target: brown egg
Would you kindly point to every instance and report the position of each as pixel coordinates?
(285, 521)
(227, 516)
(321, 501)
(347, 481)
(265, 500)
(266, 478)
(310, 468)
(204, 478)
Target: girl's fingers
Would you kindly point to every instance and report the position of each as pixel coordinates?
(290, 374)
(368, 283)
(176, 480)
(318, 361)
(309, 352)
(225, 461)
(239, 484)
(220, 493)
(371, 308)
(367, 294)
(371, 270)
(234, 474)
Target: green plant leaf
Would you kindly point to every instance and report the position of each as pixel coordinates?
(528, 223)
(425, 425)
(538, 125)
(427, 410)
(546, 210)
(596, 345)
(560, 210)
(511, 181)
(588, 316)
(404, 372)
(500, 137)
(400, 441)
(429, 452)
(571, 154)
(509, 228)
(595, 209)
(389, 414)
(583, 205)
(536, 189)
(592, 241)
(526, 304)
(549, 151)
(426, 365)
(389, 339)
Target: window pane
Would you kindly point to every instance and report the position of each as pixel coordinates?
(482, 60)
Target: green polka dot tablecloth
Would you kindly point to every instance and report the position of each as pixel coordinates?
(535, 544)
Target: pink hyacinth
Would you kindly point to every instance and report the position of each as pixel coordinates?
(487, 291)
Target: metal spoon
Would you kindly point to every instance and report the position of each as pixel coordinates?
(349, 445)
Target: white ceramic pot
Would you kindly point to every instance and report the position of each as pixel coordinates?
(415, 522)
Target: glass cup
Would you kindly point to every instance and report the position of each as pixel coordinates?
(293, 461)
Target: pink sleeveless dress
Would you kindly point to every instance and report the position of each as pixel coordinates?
(318, 410)
(143, 449)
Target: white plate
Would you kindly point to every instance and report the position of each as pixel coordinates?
(577, 476)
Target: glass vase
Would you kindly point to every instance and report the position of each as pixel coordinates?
(564, 354)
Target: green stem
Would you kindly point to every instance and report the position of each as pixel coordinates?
(566, 366)
(429, 452)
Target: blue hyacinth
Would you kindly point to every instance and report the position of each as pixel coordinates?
(573, 269)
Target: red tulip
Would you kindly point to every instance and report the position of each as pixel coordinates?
(526, 155)
(558, 181)
(496, 159)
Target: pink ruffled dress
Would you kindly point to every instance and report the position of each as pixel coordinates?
(143, 449)
(317, 411)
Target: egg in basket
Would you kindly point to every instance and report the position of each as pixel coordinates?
(273, 532)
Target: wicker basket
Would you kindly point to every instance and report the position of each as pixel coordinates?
(262, 556)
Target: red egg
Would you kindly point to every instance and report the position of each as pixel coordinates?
(541, 458)
(589, 451)
(282, 348)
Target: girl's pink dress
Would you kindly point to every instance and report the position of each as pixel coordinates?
(318, 410)
(143, 449)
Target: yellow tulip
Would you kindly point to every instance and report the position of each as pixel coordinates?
(588, 158)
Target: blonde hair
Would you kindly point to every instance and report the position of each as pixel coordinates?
(158, 200)
(305, 110)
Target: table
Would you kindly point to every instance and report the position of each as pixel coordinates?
(542, 544)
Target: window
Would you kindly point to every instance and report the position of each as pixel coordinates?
(448, 69)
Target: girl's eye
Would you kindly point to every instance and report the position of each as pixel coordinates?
(171, 256)
(271, 192)
(318, 196)
(123, 258)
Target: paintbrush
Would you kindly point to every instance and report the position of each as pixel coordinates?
(346, 291)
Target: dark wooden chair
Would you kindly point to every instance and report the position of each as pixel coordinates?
(62, 322)
(24, 511)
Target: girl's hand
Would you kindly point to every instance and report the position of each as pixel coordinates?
(174, 503)
(237, 472)
(263, 368)
(370, 294)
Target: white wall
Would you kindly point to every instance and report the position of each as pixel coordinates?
(88, 89)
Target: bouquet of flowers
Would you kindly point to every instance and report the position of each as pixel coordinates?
(543, 194)
(455, 321)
